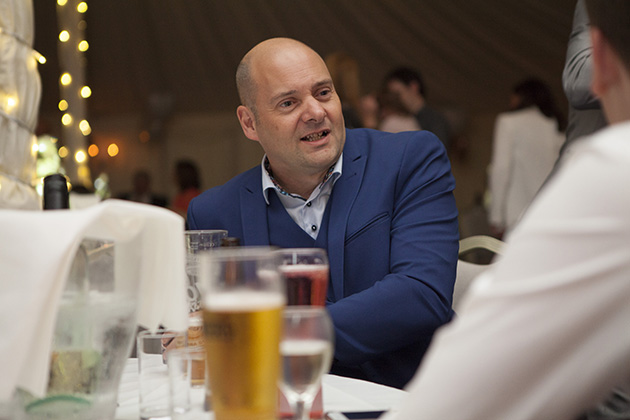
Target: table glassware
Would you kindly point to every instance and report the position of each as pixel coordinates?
(306, 273)
(306, 349)
(94, 332)
(153, 373)
(197, 242)
(243, 296)
(188, 398)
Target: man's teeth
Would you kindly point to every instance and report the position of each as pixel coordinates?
(315, 136)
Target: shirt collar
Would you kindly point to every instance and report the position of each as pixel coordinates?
(268, 181)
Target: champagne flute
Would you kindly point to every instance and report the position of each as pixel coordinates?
(306, 350)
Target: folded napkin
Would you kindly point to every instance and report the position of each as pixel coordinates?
(36, 253)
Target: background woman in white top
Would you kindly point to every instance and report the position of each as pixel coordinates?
(527, 141)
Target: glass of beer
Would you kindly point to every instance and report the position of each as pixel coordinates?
(306, 272)
(243, 297)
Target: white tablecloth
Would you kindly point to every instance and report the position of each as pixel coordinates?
(339, 394)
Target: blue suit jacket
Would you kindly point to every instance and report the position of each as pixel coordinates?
(392, 247)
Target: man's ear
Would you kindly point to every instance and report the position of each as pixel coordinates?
(248, 122)
(605, 64)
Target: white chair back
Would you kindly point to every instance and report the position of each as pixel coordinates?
(467, 271)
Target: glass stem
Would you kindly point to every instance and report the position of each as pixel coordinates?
(302, 409)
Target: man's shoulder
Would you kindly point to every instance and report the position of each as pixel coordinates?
(374, 141)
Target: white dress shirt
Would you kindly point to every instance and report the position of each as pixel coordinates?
(525, 148)
(545, 334)
(307, 213)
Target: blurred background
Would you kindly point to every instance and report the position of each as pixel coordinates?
(161, 73)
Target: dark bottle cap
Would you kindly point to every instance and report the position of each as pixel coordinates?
(56, 192)
(230, 241)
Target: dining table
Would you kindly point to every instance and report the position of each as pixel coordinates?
(339, 394)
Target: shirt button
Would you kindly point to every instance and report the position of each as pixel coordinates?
(309, 204)
(313, 228)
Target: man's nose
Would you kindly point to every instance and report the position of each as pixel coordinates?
(313, 111)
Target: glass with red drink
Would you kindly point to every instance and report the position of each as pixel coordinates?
(306, 273)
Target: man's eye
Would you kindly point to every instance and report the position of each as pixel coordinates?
(286, 104)
(325, 92)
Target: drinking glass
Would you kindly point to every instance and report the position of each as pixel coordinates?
(306, 273)
(197, 242)
(243, 296)
(307, 351)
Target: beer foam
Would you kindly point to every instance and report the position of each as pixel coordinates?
(244, 301)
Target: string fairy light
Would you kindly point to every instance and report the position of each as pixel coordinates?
(74, 91)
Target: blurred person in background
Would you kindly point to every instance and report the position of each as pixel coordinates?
(409, 85)
(527, 140)
(344, 70)
(188, 185)
(142, 191)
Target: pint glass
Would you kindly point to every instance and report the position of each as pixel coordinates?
(243, 297)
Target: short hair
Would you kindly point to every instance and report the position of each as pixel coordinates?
(612, 18)
(246, 85)
(407, 75)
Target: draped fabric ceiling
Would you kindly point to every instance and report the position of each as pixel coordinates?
(180, 55)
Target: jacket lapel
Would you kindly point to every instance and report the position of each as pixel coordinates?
(254, 212)
(342, 199)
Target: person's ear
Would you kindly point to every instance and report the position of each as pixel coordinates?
(248, 122)
(605, 64)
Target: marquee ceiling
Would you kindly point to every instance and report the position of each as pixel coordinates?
(182, 54)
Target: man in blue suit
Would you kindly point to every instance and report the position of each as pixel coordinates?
(381, 205)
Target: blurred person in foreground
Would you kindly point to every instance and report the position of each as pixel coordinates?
(381, 204)
(544, 334)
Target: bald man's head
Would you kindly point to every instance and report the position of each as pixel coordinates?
(246, 71)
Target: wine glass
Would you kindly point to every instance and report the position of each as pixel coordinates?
(306, 349)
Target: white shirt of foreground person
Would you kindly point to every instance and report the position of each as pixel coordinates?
(545, 334)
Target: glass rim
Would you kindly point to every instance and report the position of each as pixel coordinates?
(299, 250)
(204, 231)
(241, 253)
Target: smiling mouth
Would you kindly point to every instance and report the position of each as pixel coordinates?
(316, 136)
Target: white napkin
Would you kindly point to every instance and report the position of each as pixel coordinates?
(36, 253)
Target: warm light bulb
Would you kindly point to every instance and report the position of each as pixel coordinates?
(11, 103)
(112, 149)
(41, 59)
(86, 92)
(66, 119)
(66, 79)
(83, 46)
(85, 128)
(63, 105)
(62, 2)
(93, 150)
(80, 156)
(64, 36)
(82, 7)
(63, 152)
